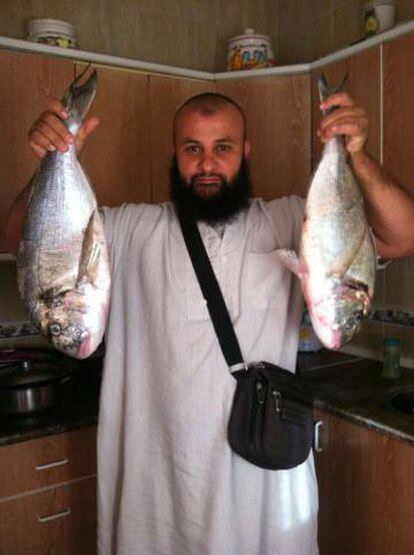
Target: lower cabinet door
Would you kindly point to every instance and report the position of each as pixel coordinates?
(59, 521)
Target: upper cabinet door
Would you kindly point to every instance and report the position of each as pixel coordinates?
(277, 111)
(27, 81)
(399, 109)
(115, 156)
(363, 85)
(166, 96)
(398, 157)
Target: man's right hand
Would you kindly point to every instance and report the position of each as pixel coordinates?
(49, 133)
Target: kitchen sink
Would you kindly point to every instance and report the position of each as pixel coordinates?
(402, 400)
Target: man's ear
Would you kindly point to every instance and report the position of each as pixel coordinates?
(247, 149)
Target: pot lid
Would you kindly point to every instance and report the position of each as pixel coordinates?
(28, 373)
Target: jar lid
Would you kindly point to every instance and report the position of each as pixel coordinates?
(249, 34)
(375, 3)
(50, 26)
(30, 373)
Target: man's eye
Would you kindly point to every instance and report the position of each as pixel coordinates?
(193, 149)
(223, 148)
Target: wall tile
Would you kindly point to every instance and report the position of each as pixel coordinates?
(11, 308)
(372, 335)
(348, 25)
(302, 14)
(313, 41)
(398, 283)
(405, 10)
(201, 11)
(176, 41)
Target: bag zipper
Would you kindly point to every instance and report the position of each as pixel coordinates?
(256, 431)
(260, 392)
(278, 400)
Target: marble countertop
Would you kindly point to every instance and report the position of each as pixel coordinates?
(353, 388)
(345, 385)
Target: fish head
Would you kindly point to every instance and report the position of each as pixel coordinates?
(68, 337)
(65, 319)
(337, 314)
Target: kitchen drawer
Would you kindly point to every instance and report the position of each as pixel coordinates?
(58, 521)
(33, 464)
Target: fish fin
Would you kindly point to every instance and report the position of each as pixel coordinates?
(290, 259)
(91, 251)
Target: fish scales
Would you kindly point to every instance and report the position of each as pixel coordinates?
(335, 220)
(63, 262)
(337, 260)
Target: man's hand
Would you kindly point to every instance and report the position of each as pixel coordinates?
(348, 120)
(49, 133)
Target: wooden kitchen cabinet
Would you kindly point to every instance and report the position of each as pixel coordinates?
(48, 495)
(398, 157)
(116, 155)
(366, 491)
(399, 108)
(26, 81)
(277, 110)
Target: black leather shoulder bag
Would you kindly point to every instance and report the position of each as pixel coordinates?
(271, 422)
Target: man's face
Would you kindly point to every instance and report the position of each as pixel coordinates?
(209, 148)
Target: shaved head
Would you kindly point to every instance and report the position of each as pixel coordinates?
(209, 175)
(207, 104)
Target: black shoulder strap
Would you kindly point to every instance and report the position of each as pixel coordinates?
(212, 293)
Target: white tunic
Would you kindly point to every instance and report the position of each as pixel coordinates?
(169, 484)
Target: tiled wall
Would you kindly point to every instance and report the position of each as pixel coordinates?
(184, 33)
(15, 329)
(311, 29)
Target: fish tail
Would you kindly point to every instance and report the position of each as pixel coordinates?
(324, 91)
(78, 98)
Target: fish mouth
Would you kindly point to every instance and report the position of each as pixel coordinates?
(84, 349)
(338, 316)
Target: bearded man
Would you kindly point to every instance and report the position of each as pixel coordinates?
(169, 484)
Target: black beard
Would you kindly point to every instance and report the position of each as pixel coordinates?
(232, 197)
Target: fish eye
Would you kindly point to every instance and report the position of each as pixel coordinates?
(55, 328)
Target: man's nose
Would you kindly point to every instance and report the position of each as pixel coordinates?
(207, 162)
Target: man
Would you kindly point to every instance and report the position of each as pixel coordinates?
(169, 483)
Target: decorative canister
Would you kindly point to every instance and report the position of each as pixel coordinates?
(391, 358)
(379, 16)
(308, 340)
(249, 51)
(52, 31)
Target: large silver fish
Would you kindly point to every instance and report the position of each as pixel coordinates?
(337, 259)
(63, 263)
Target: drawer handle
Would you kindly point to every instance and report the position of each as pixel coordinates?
(52, 464)
(48, 518)
(317, 437)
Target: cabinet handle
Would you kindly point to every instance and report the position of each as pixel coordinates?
(52, 464)
(48, 518)
(317, 437)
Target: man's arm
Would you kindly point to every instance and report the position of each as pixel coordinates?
(389, 206)
(47, 134)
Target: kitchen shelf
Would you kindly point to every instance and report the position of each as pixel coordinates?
(161, 69)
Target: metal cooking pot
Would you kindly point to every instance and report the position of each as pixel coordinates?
(30, 386)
